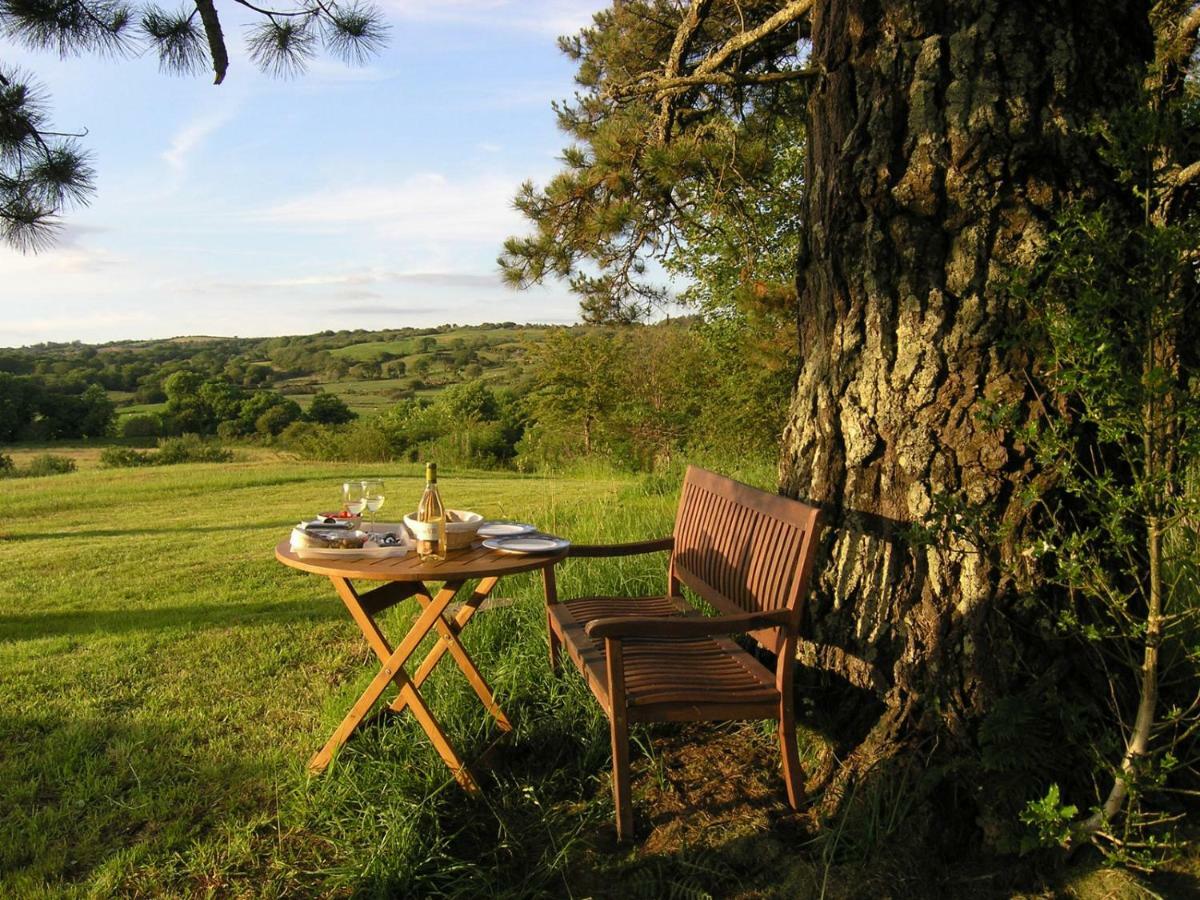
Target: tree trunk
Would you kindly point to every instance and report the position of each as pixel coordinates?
(942, 139)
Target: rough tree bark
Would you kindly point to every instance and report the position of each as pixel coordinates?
(942, 138)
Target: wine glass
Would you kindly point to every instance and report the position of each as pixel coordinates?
(353, 500)
(372, 494)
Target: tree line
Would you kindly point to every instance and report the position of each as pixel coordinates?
(634, 396)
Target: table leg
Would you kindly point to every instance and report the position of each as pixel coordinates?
(420, 710)
(449, 632)
(392, 671)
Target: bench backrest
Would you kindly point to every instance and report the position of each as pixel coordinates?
(742, 549)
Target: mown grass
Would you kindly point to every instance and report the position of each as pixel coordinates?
(164, 682)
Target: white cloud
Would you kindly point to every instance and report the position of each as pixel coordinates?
(427, 207)
(349, 284)
(69, 257)
(74, 324)
(322, 69)
(192, 136)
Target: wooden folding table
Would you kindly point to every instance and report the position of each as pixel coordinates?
(405, 577)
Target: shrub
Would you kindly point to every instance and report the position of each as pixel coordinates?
(189, 448)
(141, 425)
(277, 418)
(124, 458)
(7, 469)
(305, 439)
(48, 464)
(231, 429)
(329, 409)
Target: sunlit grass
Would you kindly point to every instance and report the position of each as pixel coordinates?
(165, 680)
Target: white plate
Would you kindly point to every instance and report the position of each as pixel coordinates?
(527, 544)
(503, 529)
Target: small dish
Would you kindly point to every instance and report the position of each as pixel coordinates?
(527, 545)
(503, 529)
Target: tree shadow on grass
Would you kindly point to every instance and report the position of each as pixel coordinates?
(281, 525)
(74, 623)
(90, 797)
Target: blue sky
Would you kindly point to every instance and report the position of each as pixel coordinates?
(371, 197)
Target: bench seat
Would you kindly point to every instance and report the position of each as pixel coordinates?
(666, 679)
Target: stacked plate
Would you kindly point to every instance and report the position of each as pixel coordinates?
(517, 537)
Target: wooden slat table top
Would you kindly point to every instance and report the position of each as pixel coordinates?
(459, 565)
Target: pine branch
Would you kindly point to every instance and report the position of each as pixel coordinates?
(216, 39)
(1189, 32)
(683, 39)
(1186, 175)
(790, 13)
(670, 85)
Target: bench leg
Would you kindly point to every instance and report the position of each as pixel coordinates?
(620, 752)
(619, 726)
(550, 589)
(792, 775)
(555, 648)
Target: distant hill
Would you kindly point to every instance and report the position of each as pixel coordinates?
(370, 370)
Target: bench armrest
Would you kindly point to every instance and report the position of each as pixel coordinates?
(683, 627)
(598, 550)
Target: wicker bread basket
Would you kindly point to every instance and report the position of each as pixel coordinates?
(460, 530)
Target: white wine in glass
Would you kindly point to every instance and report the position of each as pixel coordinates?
(372, 492)
(353, 500)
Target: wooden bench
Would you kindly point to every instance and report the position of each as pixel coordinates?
(653, 659)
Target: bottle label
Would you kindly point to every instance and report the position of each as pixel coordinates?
(426, 531)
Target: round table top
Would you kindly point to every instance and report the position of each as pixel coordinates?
(459, 565)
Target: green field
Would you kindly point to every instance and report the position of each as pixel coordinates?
(408, 347)
(497, 351)
(165, 681)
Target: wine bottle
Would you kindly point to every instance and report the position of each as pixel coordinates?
(431, 519)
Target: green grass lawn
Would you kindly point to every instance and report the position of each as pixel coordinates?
(164, 682)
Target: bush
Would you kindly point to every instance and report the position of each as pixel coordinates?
(48, 464)
(124, 458)
(141, 425)
(305, 439)
(277, 418)
(329, 409)
(231, 429)
(189, 448)
(45, 464)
